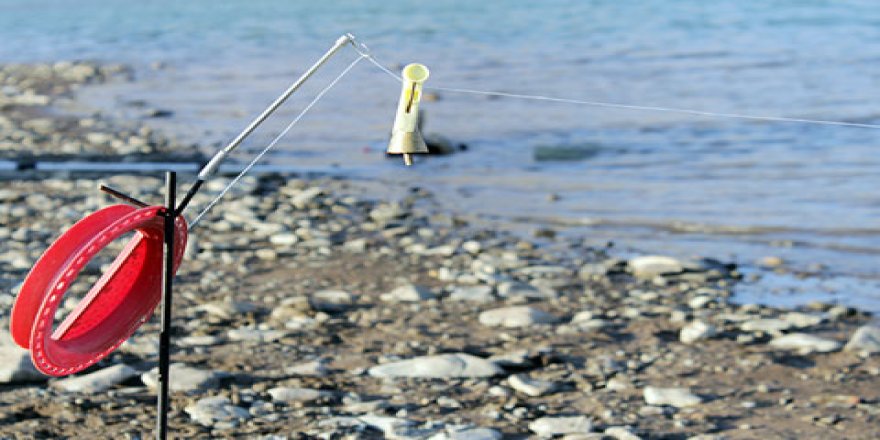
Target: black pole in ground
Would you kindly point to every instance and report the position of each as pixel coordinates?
(167, 287)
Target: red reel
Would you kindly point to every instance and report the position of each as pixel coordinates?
(120, 302)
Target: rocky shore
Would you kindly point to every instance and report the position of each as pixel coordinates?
(307, 309)
(32, 129)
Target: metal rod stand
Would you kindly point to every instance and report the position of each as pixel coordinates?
(167, 289)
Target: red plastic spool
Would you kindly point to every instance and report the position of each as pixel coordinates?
(120, 302)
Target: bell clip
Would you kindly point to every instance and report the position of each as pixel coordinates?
(405, 136)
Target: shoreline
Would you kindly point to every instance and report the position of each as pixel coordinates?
(307, 306)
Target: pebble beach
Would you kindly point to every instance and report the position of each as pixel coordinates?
(308, 308)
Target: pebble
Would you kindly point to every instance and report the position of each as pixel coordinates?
(771, 262)
(866, 339)
(531, 387)
(677, 397)
(228, 309)
(553, 426)
(17, 366)
(700, 301)
(315, 368)
(766, 325)
(303, 198)
(284, 239)
(98, 381)
(217, 412)
(621, 433)
(302, 395)
(804, 343)
(185, 378)
(198, 341)
(408, 293)
(479, 294)
(593, 271)
(803, 320)
(440, 366)
(331, 301)
(468, 433)
(518, 316)
(696, 331)
(396, 428)
(650, 266)
(515, 289)
(254, 335)
(472, 246)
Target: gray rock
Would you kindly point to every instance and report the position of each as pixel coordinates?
(198, 341)
(621, 433)
(696, 331)
(306, 196)
(185, 378)
(472, 247)
(805, 343)
(592, 271)
(228, 309)
(677, 397)
(482, 294)
(316, 368)
(254, 335)
(408, 293)
(803, 320)
(553, 426)
(543, 153)
(531, 387)
(766, 325)
(146, 345)
(98, 381)
(520, 316)
(650, 266)
(302, 395)
(520, 359)
(331, 301)
(546, 271)
(396, 428)
(266, 254)
(217, 412)
(467, 433)
(386, 213)
(701, 301)
(865, 339)
(284, 239)
(17, 366)
(440, 366)
(516, 289)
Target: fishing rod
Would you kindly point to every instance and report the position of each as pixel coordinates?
(211, 167)
(129, 291)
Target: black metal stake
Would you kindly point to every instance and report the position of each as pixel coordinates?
(167, 288)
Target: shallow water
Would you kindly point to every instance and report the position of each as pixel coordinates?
(660, 182)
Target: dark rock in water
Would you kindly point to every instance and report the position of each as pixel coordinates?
(547, 153)
(136, 103)
(439, 144)
(158, 113)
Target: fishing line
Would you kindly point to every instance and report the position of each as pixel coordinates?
(366, 53)
(272, 144)
(376, 63)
